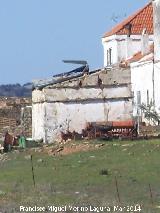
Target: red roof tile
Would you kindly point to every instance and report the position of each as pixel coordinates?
(138, 56)
(143, 18)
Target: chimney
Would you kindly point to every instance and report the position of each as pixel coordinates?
(129, 44)
(128, 41)
(144, 42)
(156, 25)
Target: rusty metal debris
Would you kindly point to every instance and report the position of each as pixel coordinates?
(108, 130)
(114, 129)
(71, 135)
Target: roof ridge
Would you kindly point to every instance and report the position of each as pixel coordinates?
(127, 20)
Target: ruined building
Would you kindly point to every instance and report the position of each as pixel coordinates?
(103, 95)
(129, 78)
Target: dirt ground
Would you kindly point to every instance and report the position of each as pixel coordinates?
(70, 147)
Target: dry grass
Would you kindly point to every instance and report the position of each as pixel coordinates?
(84, 178)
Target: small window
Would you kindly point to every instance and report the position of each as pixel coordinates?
(138, 98)
(109, 57)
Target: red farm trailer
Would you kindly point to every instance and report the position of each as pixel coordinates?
(112, 129)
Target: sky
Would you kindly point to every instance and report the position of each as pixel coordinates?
(36, 35)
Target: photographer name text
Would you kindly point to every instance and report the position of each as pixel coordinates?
(97, 209)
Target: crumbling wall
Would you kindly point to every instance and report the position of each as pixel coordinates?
(102, 96)
(10, 115)
(74, 116)
(142, 83)
(26, 120)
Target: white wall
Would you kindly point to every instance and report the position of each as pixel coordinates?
(112, 43)
(74, 116)
(66, 105)
(122, 46)
(157, 85)
(38, 124)
(144, 77)
(156, 19)
(141, 79)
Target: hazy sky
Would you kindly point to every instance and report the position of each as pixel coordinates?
(35, 35)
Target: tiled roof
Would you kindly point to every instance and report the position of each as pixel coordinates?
(143, 18)
(136, 57)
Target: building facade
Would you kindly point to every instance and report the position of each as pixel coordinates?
(130, 78)
(125, 39)
(136, 43)
(69, 105)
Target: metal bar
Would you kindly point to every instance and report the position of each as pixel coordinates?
(75, 62)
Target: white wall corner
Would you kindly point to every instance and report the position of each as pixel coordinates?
(156, 20)
(144, 42)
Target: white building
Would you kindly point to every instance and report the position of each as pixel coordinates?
(124, 40)
(129, 78)
(69, 103)
(136, 43)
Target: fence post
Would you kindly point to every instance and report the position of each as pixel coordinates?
(32, 171)
(118, 195)
(151, 194)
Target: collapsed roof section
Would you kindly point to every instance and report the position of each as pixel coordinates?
(80, 71)
(66, 76)
(139, 57)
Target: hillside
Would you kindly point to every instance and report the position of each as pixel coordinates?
(16, 90)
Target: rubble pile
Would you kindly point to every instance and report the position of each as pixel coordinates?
(68, 148)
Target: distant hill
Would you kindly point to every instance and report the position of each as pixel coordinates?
(16, 90)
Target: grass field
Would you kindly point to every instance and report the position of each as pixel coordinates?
(84, 178)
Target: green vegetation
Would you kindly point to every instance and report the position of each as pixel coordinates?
(84, 178)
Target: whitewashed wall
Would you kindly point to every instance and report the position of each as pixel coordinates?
(141, 79)
(156, 19)
(65, 106)
(122, 46)
(74, 116)
(110, 43)
(157, 85)
(38, 121)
